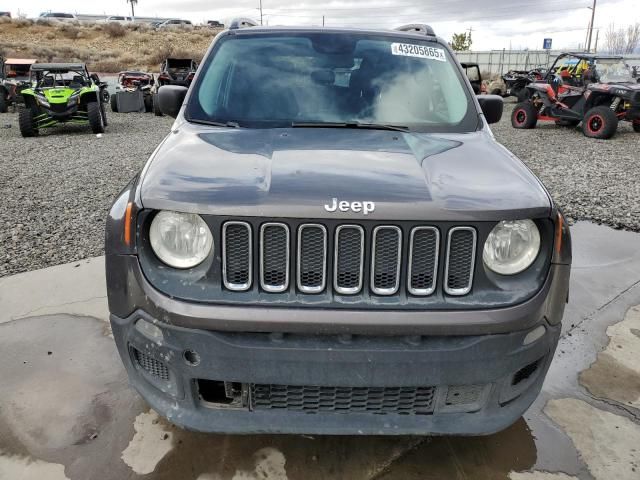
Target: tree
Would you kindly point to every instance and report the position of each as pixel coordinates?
(461, 41)
(133, 4)
(618, 40)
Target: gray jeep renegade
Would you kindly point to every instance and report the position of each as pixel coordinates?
(331, 241)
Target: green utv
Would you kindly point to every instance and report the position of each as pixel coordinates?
(62, 93)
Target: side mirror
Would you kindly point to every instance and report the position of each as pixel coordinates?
(492, 106)
(170, 98)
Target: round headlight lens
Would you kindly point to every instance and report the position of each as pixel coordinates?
(512, 246)
(181, 240)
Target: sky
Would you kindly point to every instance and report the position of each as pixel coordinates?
(495, 24)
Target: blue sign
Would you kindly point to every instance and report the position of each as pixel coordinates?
(547, 44)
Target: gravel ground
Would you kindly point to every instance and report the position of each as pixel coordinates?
(596, 180)
(56, 189)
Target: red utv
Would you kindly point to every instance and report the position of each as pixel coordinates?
(597, 91)
(133, 92)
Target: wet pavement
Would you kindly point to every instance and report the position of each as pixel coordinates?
(67, 412)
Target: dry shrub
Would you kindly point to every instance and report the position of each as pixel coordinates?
(195, 55)
(163, 51)
(49, 35)
(45, 22)
(115, 30)
(107, 66)
(68, 30)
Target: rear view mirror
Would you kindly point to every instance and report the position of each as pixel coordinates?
(492, 106)
(170, 98)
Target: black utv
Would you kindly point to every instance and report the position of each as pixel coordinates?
(174, 71)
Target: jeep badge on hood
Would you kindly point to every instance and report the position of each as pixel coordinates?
(356, 207)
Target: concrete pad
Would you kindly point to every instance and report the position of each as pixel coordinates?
(606, 263)
(17, 467)
(539, 476)
(76, 288)
(74, 407)
(616, 373)
(609, 444)
(149, 445)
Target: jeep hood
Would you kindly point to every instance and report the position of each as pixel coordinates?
(294, 172)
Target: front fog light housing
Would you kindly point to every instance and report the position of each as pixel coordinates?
(512, 246)
(181, 240)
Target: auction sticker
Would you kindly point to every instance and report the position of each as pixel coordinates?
(420, 51)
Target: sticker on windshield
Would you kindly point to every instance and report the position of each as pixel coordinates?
(419, 51)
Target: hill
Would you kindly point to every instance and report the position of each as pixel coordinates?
(104, 47)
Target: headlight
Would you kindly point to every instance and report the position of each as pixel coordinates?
(181, 240)
(511, 247)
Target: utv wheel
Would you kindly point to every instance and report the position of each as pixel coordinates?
(114, 103)
(524, 115)
(103, 109)
(27, 123)
(636, 126)
(4, 105)
(600, 122)
(156, 106)
(96, 120)
(148, 103)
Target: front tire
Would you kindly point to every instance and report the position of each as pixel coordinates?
(636, 126)
(524, 116)
(27, 123)
(4, 104)
(600, 122)
(156, 106)
(96, 120)
(114, 103)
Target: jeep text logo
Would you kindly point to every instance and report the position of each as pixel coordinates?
(356, 207)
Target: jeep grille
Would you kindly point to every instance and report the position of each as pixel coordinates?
(316, 256)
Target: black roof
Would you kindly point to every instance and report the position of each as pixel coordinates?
(40, 67)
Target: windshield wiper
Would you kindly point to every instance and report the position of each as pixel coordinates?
(370, 126)
(230, 123)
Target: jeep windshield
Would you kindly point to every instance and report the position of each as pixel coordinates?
(613, 71)
(284, 79)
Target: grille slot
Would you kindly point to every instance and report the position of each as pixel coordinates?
(237, 255)
(385, 260)
(314, 399)
(461, 255)
(312, 258)
(151, 365)
(348, 259)
(424, 246)
(274, 257)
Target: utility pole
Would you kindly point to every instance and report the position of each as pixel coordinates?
(323, 20)
(595, 47)
(593, 16)
(261, 12)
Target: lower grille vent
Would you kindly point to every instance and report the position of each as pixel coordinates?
(313, 399)
(151, 365)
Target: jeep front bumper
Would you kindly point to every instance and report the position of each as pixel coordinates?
(254, 375)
